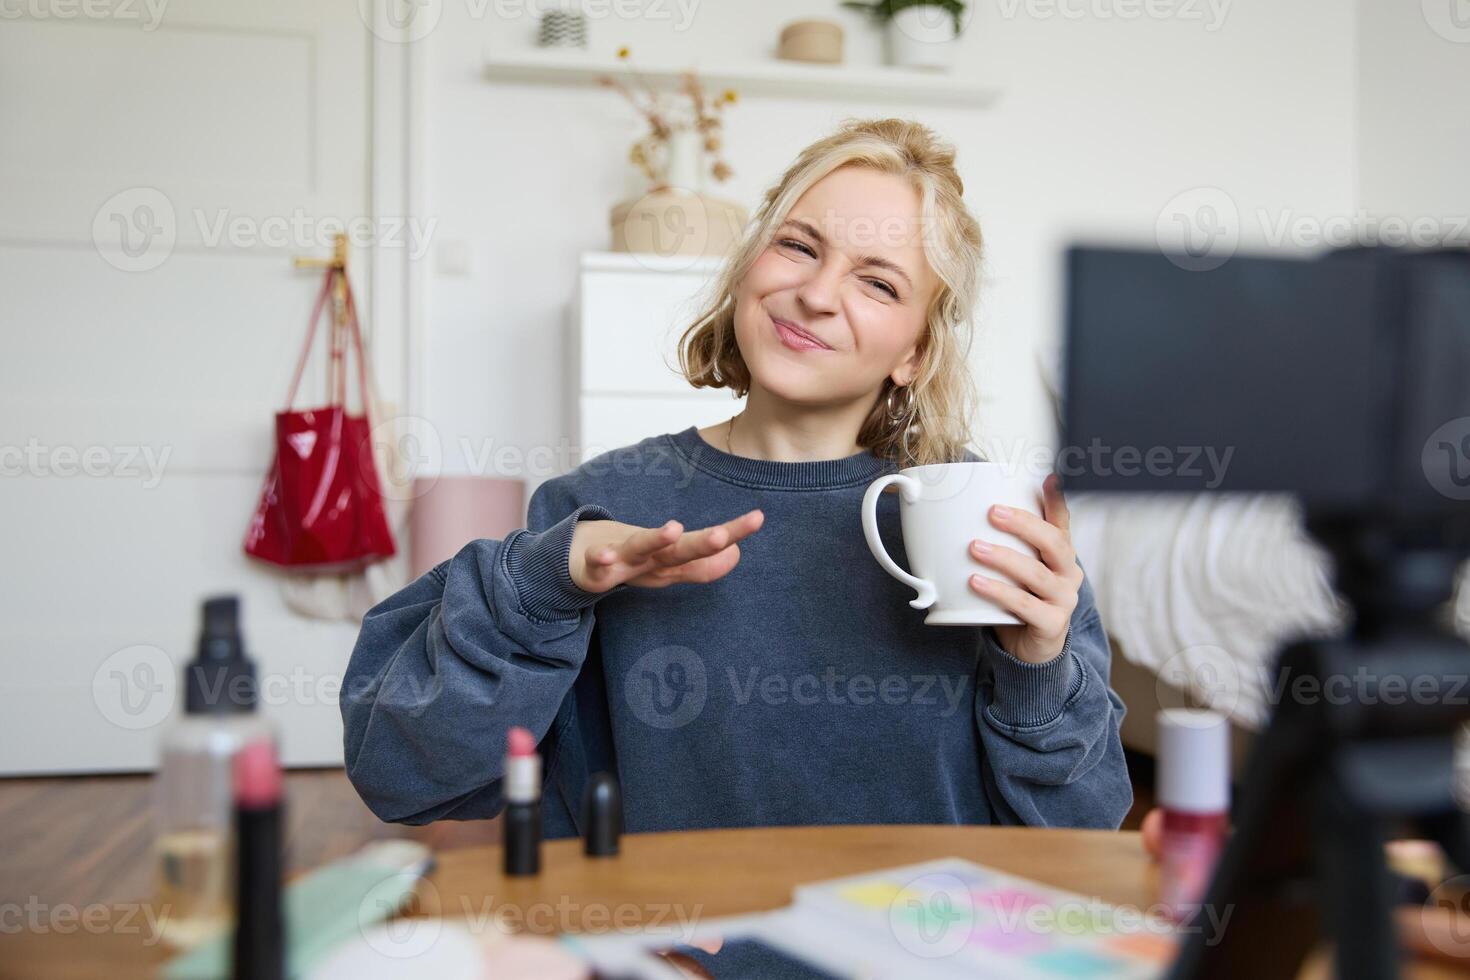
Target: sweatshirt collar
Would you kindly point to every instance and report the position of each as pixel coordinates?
(765, 474)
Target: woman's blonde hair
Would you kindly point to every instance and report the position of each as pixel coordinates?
(942, 392)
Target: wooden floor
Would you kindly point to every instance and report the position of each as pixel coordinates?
(87, 839)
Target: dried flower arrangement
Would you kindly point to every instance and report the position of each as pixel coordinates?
(665, 116)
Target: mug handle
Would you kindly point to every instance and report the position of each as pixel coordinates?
(911, 491)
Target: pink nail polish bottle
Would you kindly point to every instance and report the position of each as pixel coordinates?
(1194, 793)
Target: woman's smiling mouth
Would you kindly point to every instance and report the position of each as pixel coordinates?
(796, 338)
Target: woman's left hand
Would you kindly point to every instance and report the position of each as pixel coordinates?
(1048, 586)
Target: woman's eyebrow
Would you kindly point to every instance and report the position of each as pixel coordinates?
(876, 261)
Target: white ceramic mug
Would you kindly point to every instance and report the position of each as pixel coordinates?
(942, 508)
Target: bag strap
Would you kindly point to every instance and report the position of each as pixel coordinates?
(341, 336)
(311, 325)
(354, 329)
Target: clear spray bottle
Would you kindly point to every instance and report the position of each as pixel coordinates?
(194, 798)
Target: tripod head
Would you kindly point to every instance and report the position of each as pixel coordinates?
(1344, 380)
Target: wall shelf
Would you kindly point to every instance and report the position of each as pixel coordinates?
(783, 79)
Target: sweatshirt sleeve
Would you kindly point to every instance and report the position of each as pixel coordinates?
(1054, 756)
(491, 638)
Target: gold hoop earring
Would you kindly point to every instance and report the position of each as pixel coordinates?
(902, 419)
(900, 415)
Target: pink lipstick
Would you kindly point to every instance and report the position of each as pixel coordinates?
(522, 830)
(259, 950)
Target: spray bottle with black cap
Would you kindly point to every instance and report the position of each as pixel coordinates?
(195, 844)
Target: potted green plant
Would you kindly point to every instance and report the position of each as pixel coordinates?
(921, 33)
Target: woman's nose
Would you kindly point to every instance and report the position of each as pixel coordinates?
(819, 292)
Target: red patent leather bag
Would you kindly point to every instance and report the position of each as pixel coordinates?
(321, 508)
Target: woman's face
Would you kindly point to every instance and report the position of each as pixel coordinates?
(847, 267)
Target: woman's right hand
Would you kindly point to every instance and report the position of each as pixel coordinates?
(608, 553)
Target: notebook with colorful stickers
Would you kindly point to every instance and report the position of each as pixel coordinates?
(938, 920)
(961, 918)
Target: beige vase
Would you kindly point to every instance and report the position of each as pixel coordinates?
(678, 218)
(672, 223)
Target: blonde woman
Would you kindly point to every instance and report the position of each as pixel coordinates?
(699, 613)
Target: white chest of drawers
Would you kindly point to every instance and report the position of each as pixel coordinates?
(626, 320)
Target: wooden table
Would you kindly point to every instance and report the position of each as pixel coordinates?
(694, 873)
(703, 874)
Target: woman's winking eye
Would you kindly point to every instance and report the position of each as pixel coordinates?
(807, 250)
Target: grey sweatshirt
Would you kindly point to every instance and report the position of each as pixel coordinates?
(800, 688)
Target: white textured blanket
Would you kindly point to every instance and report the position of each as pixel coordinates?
(1204, 590)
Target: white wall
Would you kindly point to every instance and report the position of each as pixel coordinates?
(1414, 131)
(1103, 121)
